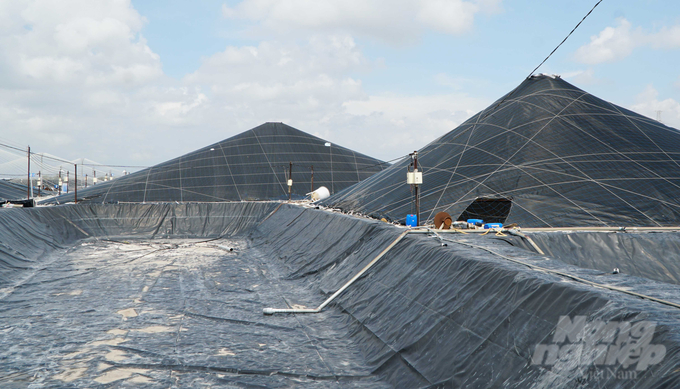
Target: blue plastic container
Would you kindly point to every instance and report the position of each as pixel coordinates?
(493, 225)
(411, 220)
(477, 222)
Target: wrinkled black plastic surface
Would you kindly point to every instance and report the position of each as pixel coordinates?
(12, 191)
(172, 311)
(653, 255)
(27, 234)
(564, 157)
(426, 316)
(432, 316)
(250, 166)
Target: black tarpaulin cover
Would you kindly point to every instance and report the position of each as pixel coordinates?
(250, 166)
(563, 156)
(12, 191)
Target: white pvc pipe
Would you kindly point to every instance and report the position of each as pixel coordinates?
(531, 241)
(271, 311)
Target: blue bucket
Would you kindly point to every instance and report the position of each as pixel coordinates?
(411, 220)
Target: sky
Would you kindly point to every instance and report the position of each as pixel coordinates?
(143, 81)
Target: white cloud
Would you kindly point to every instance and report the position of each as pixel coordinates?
(78, 79)
(65, 43)
(70, 72)
(387, 20)
(270, 60)
(281, 82)
(451, 17)
(401, 124)
(308, 86)
(615, 43)
(667, 38)
(581, 77)
(648, 104)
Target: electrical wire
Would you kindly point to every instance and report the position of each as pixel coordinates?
(542, 62)
(565, 38)
(33, 155)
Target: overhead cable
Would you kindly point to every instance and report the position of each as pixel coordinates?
(542, 62)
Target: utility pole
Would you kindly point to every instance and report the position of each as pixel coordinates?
(75, 173)
(28, 182)
(290, 180)
(415, 170)
(59, 183)
(415, 178)
(39, 183)
(86, 180)
(67, 174)
(330, 153)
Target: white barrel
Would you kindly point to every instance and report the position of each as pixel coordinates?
(320, 194)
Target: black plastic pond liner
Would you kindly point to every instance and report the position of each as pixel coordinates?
(432, 316)
(425, 316)
(564, 156)
(12, 191)
(253, 165)
(654, 255)
(27, 235)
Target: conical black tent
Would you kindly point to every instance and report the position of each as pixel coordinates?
(253, 165)
(12, 191)
(548, 154)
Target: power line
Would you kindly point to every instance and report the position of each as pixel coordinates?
(66, 161)
(542, 62)
(565, 38)
(101, 164)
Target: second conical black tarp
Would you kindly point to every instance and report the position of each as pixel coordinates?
(548, 154)
(11, 191)
(253, 165)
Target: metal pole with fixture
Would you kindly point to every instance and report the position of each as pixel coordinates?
(290, 180)
(75, 184)
(415, 189)
(330, 152)
(28, 182)
(415, 178)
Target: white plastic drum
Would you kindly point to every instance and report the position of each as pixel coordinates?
(320, 194)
